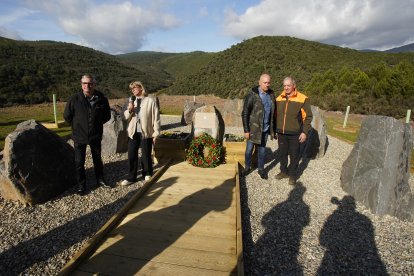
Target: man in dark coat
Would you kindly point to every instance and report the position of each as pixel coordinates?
(258, 122)
(87, 112)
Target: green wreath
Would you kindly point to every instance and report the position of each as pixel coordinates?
(204, 151)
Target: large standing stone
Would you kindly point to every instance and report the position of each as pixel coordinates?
(377, 171)
(316, 142)
(188, 112)
(115, 137)
(208, 119)
(232, 113)
(37, 164)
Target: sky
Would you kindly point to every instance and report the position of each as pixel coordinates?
(177, 26)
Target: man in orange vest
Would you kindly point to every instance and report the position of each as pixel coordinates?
(293, 122)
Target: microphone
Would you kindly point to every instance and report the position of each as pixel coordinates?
(132, 99)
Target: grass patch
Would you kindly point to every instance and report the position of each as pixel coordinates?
(10, 117)
(171, 110)
(347, 134)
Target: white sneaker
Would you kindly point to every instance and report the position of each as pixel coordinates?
(126, 182)
(147, 177)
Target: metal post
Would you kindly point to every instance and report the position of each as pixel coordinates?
(54, 109)
(407, 119)
(346, 116)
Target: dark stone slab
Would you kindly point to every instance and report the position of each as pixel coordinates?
(37, 164)
(377, 171)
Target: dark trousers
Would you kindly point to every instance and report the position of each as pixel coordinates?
(146, 161)
(80, 155)
(289, 146)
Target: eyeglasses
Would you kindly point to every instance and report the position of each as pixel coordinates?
(88, 83)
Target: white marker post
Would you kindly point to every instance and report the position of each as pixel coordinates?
(346, 116)
(54, 109)
(407, 119)
(194, 99)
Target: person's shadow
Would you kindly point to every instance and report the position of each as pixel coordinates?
(348, 237)
(276, 251)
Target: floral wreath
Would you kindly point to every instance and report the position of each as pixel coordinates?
(204, 151)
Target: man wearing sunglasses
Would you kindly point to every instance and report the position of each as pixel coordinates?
(87, 111)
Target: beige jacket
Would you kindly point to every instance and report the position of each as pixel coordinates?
(149, 119)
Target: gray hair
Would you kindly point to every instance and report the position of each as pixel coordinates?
(291, 79)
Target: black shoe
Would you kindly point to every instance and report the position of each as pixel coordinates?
(101, 182)
(81, 190)
(262, 174)
(246, 171)
(292, 181)
(281, 175)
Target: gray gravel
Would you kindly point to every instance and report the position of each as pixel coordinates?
(287, 230)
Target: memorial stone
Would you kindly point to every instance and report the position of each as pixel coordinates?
(115, 137)
(209, 120)
(232, 113)
(37, 164)
(377, 171)
(188, 112)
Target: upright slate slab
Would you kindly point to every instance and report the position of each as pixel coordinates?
(188, 112)
(377, 171)
(231, 113)
(115, 136)
(316, 142)
(37, 164)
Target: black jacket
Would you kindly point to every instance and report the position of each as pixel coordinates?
(252, 115)
(87, 117)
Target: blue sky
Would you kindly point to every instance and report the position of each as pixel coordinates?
(207, 25)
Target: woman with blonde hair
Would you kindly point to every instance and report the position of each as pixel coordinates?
(143, 119)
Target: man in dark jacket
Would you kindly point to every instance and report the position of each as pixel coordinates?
(258, 122)
(87, 112)
(293, 122)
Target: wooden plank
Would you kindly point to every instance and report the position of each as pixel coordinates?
(174, 197)
(202, 227)
(117, 265)
(173, 255)
(126, 239)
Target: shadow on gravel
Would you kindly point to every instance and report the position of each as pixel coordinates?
(276, 251)
(348, 237)
(273, 158)
(24, 255)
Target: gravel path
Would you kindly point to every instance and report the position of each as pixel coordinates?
(311, 228)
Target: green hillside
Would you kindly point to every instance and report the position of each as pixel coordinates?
(356, 77)
(168, 66)
(30, 72)
(333, 77)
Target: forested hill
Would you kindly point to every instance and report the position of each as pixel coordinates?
(31, 72)
(371, 82)
(168, 65)
(333, 77)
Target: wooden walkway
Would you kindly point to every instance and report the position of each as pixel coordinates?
(187, 223)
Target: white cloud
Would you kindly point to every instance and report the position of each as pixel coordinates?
(113, 28)
(353, 23)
